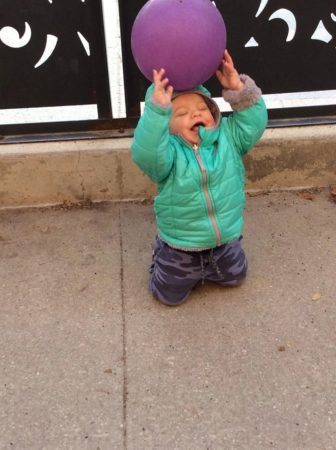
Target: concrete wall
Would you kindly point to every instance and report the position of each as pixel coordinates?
(102, 170)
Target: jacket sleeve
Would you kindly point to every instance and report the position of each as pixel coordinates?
(150, 148)
(249, 118)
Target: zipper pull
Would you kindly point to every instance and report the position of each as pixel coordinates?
(195, 147)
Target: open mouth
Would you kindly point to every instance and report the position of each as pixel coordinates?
(196, 126)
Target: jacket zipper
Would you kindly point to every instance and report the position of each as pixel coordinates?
(207, 194)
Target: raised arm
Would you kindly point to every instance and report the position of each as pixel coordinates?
(150, 147)
(249, 118)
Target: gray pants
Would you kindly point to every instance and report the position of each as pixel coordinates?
(174, 273)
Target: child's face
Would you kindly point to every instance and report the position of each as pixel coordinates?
(189, 112)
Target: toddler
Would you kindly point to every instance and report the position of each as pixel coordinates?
(194, 155)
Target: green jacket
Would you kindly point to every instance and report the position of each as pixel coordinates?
(201, 196)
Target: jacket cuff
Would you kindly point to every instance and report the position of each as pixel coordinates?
(247, 96)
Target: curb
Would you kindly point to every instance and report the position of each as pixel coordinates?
(53, 173)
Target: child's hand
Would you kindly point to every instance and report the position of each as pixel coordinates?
(228, 76)
(162, 94)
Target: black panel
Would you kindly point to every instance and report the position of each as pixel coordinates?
(301, 64)
(69, 76)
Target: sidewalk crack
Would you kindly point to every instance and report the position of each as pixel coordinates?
(84, 195)
(124, 343)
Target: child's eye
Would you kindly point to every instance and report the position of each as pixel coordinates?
(181, 113)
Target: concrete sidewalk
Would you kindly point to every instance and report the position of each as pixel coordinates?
(88, 360)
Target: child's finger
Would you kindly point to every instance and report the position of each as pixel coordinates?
(164, 82)
(155, 76)
(170, 90)
(227, 57)
(158, 74)
(161, 73)
(220, 76)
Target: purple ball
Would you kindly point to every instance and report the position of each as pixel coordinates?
(185, 37)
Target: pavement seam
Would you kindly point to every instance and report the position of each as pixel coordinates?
(124, 347)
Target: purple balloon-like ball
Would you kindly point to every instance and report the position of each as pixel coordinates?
(185, 37)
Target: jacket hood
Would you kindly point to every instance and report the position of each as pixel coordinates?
(200, 90)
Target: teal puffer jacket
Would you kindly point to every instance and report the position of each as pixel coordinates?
(201, 196)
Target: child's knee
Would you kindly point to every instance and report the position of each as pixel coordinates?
(240, 275)
(168, 294)
(243, 272)
(237, 279)
(174, 274)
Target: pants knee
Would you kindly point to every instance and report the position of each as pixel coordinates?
(168, 295)
(241, 276)
(237, 278)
